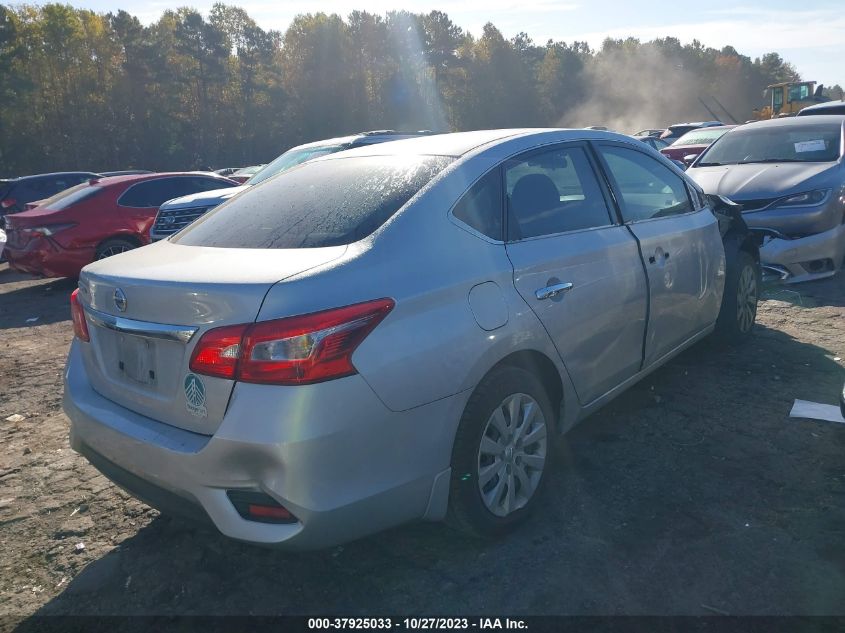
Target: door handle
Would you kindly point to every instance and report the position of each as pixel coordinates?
(552, 291)
(653, 258)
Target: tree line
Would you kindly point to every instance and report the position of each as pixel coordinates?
(86, 90)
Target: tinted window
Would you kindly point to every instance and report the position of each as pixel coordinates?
(812, 143)
(648, 188)
(325, 203)
(481, 206)
(193, 185)
(69, 197)
(152, 193)
(553, 192)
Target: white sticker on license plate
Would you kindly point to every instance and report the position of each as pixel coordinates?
(135, 359)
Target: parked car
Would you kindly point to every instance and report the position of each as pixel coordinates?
(397, 332)
(245, 173)
(687, 148)
(178, 213)
(676, 131)
(789, 177)
(653, 142)
(650, 132)
(15, 193)
(830, 107)
(227, 171)
(125, 172)
(94, 220)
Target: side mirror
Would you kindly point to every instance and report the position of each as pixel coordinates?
(689, 158)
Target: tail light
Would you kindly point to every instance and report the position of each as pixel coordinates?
(44, 231)
(8, 203)
(291, 351)
(80, 327)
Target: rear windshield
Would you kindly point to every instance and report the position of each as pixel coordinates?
(325, 203)
(69, 197)
(810, 143)
(703, 136)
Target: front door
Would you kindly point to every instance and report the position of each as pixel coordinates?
(576, 267)
(679, 244)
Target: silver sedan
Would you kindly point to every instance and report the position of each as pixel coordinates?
(397, 332)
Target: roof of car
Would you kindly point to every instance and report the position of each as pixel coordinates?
(821, 108)
(457, 144)
(114, 180)
(697, 124)
(372, 136)
(797, 121)
(55, 174)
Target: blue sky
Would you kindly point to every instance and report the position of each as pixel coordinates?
(810, 34)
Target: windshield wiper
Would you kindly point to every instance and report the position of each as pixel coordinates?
(711, 164)
(771, 160)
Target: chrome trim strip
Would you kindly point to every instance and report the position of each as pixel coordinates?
(552, 291)
(179, 333)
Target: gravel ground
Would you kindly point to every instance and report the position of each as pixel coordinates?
(693, 493)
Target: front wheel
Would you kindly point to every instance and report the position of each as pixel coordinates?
(739, 301)
(501, 454)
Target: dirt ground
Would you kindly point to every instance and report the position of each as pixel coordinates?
(693, 493)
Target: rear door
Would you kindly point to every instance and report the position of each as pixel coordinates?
(576, 266)
(680, 243)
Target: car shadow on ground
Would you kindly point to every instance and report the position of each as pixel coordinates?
(692, 493)
(35, 304)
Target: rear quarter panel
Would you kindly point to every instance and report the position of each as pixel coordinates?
(430, 346)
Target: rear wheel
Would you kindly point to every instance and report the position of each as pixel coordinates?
(739, 301)
(501, 453)
(114, 247)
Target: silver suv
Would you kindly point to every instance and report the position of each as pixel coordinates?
(176, 214)
(397, 332)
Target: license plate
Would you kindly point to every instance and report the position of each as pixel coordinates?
(135, 359)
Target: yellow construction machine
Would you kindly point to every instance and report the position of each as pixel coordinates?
(788, 98)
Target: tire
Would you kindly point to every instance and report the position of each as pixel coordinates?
(739, 301)
(114, 247)
(493, 490)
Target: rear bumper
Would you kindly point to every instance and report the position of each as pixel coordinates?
(45, 258)
(807, 258)
(332, 454)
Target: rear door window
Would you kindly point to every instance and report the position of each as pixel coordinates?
(554, 191)
(322, 203)
(152, 193)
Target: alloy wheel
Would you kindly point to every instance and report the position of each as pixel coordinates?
(746, 299)
(112, 250)
(512, 454)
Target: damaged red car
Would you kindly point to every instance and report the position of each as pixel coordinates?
(94, 220)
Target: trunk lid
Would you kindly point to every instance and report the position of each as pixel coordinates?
(147, 309)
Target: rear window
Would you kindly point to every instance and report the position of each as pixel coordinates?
(703, 136)
(69, 197)
(327, 203)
